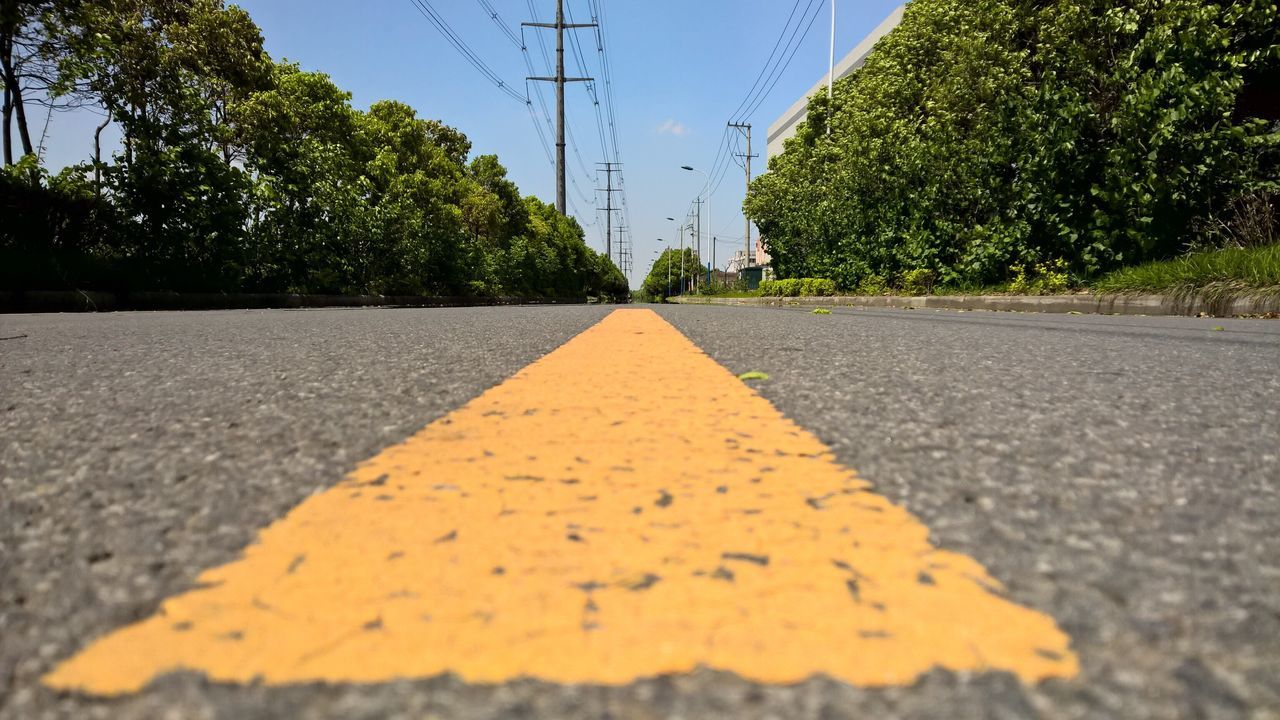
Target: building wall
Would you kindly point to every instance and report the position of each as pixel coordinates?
(785, 126)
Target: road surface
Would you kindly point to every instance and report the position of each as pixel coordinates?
(1052, 516)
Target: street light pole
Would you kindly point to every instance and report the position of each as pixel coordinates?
(831, 64)
(831, 70)
(710, 223)
(668, 242)
(681, 256)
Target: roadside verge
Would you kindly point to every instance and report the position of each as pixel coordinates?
(1092, 304)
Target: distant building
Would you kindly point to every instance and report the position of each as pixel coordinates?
(737, 262)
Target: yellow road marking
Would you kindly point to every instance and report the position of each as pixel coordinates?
(622, 508)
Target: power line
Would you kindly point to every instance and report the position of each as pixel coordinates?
(502, 25)
(734, 115)
(602, 30)
(774, 67)
(437, 20)
(778, 76)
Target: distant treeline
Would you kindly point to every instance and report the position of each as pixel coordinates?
(986, 138)
(239, 173)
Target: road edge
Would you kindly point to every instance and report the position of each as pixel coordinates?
(46, 301)
(1065, 304)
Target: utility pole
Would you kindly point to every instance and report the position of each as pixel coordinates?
(693, 271)
(560, 80)
(746, 129)
(609, 190)
(624, 251)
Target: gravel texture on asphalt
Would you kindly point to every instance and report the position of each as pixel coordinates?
(1122, 475)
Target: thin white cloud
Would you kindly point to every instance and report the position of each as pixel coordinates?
(671, 127)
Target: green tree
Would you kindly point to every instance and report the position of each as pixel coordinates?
(238, 173)
(164, 71)
(663, 279)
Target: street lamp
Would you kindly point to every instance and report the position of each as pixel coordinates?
(710, 222)
(668, 242)
(681, 258)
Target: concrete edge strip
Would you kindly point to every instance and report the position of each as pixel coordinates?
(1090, 304)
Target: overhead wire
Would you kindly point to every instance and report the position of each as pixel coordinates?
(795, 48)
(775, 66)
(438, 21)
(758, 86)
(502, 25)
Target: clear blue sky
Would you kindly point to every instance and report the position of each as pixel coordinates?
(679, 71)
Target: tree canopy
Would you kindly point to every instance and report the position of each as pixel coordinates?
(665, 275)
(240, 173)
(982, 136)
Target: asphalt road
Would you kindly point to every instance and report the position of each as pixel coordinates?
(1121, 475)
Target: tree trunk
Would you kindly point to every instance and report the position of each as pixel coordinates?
(5, 52)
(8, 122)
(13, 96)
(97, 157)
(21, 114)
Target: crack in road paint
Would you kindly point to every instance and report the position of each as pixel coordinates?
(481, 567)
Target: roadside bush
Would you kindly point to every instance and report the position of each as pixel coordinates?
(798, 287)
(1041, 279)
(817, 287)
(984, 135)
(918, 281)
(873, 284)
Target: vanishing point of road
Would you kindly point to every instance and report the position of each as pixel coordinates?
(584, 512)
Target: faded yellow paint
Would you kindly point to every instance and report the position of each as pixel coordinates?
(622, 508)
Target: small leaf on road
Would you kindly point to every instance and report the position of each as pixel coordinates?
(753, 375)
(821, 311)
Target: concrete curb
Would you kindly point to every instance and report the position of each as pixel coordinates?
(77, 301)
(1092, 304)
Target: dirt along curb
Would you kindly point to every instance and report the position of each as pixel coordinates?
(1091, 304)
(78, 301)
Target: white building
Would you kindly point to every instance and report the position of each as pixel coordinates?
(785, 126)
(739, 260)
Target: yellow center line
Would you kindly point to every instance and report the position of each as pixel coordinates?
(622, 508)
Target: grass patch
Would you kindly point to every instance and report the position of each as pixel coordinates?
(1217, 274)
